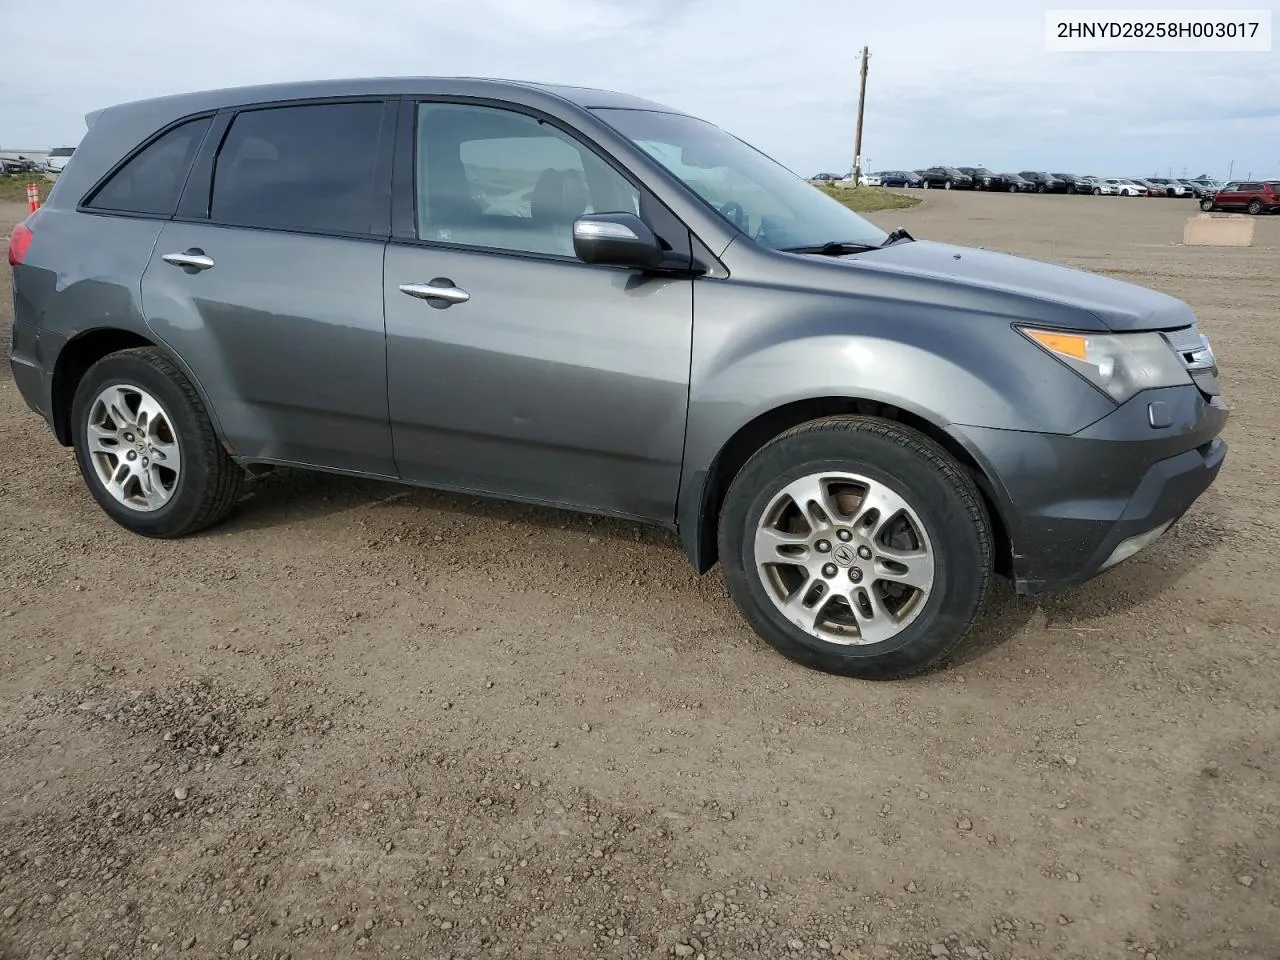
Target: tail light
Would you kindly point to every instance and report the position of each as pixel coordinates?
(19, 244)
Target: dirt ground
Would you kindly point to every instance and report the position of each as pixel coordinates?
(363, 720)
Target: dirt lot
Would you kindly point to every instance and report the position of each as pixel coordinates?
(363, 720)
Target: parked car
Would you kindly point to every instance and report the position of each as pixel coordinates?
(899, 178)
(1074, 183)
(1153, 189)
(1013, 183)
(1045, 183)
(1119, 187)
(869, 180)
(1171, 187)
(980, 176)
(826, 177)
(945, 178)
(1254, 196)
(1200, 189)
(186, 311)
(57, 159)
(16, 163)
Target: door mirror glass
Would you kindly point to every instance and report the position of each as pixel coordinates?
(616, 239)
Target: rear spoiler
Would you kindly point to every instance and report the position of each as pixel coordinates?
(92, 116)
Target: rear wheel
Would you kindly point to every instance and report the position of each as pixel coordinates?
(856, 546)
(147, 449)
(1255, 207)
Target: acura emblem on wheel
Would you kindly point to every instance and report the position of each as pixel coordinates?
(843, 555)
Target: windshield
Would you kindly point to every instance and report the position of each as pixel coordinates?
(759, 196)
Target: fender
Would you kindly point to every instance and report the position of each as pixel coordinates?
(831, 353)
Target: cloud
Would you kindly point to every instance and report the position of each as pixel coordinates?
(955, 83)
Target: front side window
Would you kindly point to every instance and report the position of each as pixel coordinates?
(759, 196)
(308, 168)
(151, 182)
(487, 177)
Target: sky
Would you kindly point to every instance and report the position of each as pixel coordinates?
(966, 83)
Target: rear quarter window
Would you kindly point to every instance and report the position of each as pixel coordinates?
(310, 168)
(151, 181)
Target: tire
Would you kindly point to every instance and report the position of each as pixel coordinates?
(1097, 191)
(935, 494)
(1255, 207)
(924, 185)
(1013, 188)
(1070, 189)
(1040, 188)
(165, 503)
(1206, 204)
(946, 185)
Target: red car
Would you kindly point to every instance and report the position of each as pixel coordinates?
(1255, 196)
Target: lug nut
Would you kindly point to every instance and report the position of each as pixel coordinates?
(829, 570)
(129, 437)
(131, 455)
(864, 552)
(823, 546)
(855, 574)
(844, 535)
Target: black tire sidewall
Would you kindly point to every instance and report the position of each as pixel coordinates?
(961, 552)
(193, 477)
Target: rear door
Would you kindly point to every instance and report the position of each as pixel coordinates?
(268, 283)
(541, 377)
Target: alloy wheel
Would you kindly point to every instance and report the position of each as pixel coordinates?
(844, 558)
(133, 447)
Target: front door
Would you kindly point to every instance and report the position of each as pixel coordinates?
(530, 374)
(275, 300)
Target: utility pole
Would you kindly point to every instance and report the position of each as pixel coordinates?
(862, 100)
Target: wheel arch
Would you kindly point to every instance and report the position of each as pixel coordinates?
(698, 511)
(84, 350)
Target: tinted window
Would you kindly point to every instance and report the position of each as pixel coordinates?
(1250, 187)
(492, 178)
(299, 168)
(153, 179)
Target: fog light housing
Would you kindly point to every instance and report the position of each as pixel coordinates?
(1127, 548)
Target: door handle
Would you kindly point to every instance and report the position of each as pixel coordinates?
(440, 291)
(193, 261)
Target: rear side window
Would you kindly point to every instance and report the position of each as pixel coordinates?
(306, 168)
(151, 181)
(1250, 187)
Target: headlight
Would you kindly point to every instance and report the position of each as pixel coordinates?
(1118, 364)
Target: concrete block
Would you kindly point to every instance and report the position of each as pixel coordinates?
(1217, 230)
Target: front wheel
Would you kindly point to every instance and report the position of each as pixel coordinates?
(856, 546)
(1206, 204)
(1013, 188)
(147, 449)
(1097, 191)
(947, 185)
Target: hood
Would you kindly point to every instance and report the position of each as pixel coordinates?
(1119, 306)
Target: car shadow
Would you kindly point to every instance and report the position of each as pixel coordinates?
(287, 496)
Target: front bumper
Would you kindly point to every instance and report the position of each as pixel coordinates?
(1071, 502)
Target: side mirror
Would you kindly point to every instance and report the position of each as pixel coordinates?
(617, 240)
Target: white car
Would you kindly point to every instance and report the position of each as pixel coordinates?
(57, 159)
(1120, 187)
(869, 180)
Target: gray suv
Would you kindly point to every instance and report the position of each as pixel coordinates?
(586, 300)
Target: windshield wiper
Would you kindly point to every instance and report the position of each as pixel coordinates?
(896, 236)
(836, 248)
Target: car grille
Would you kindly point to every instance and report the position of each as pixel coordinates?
(1197, 356)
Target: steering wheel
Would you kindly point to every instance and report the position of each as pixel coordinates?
(738, 215)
